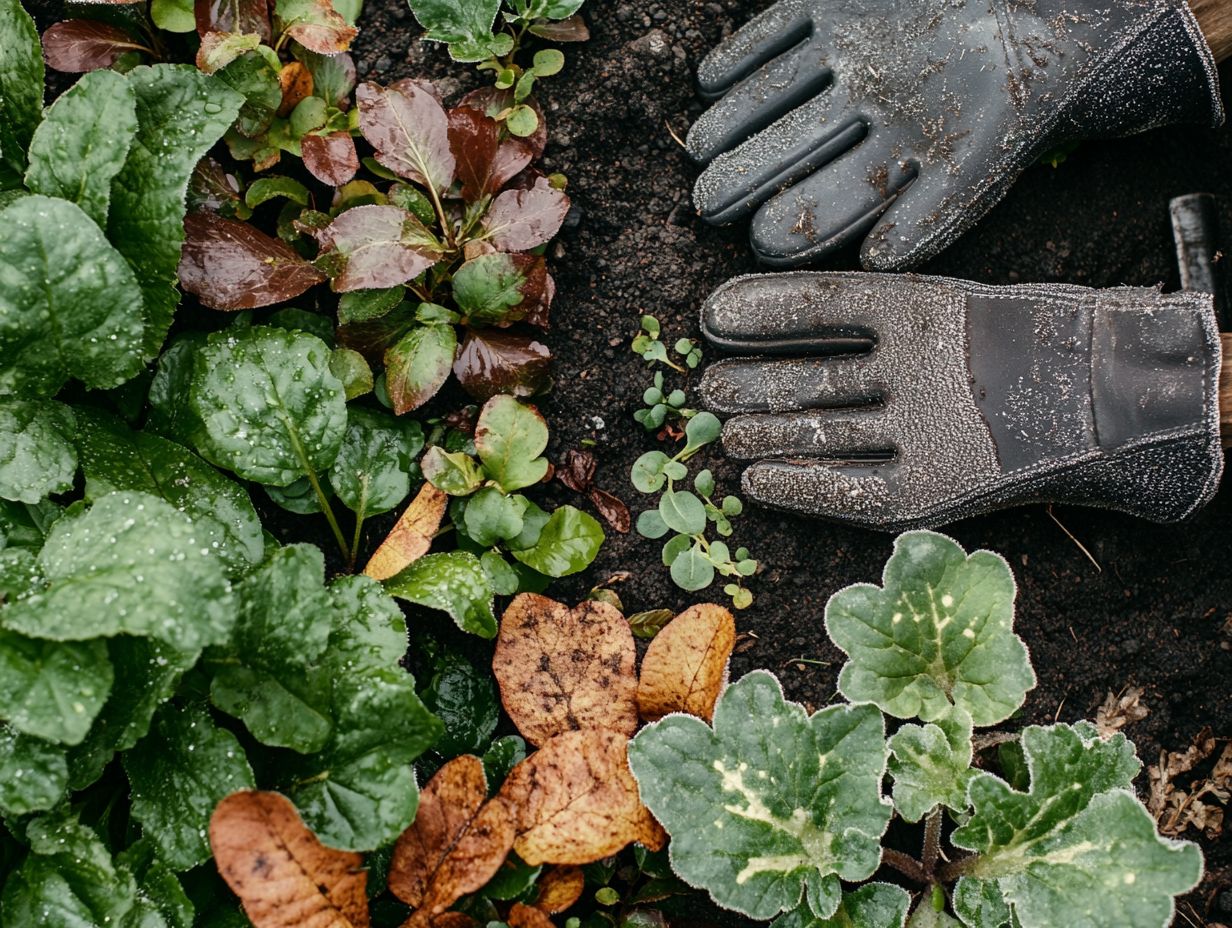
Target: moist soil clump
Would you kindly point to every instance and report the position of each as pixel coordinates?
(1144, 605)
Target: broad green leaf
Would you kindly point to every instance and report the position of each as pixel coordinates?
(874, 905)
(21, 89)
(264, 189)
(252, 77)
(352, 370)
(456, 21)
(487, 287)
(169, 414)
(157, 885)
(115, 458)
(366, 305)
(37, 456)
(299, 497)
(454, 582)
(173, 15)
(33, 773)
(83, 141)
(130, 565)
(938, 633)
(68, 879)
(178, 772)
(369, 631)
(52, 689)
(510, 437)
(269, 408)
(764, 814)
(452, 472)
(272, 680)
(502, 755)
(1077, 848)
(691, 570)
(647, 472)
(372, 473)
(465, 701)
(417, 365)
(491, 516)
(561, 9)
(682, 512)
(566, 544)
(69, 304)
(930, 765)
(181, 113)
(981, 903)
(360, 793)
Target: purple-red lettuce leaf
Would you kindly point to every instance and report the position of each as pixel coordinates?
(494, 102)
(493, 362)
(409, 129)
(519, 220)
(485, 163)
(332, 158)
(233, 16)
(315, 24)
(77, 45)
(375, 246)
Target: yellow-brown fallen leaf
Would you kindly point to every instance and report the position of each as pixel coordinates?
(1119, 710)
(525, 916)
(576, 802)
(684, 667)
(411, 536)
(296, 82)
(562, 669)
(284, 876)
(559, 889)
(454, 920)
(456, 844)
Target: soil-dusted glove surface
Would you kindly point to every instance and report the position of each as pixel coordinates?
(903, 401)
(912, 117)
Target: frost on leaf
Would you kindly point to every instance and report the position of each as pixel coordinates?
(764, 812)
(874, 905)
(685, 666)
(561, 669)
(938, 633)
(576, 801)
(930, 765)
(1077, 848)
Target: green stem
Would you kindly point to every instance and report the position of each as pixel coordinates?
(359, 524)
(330, 517)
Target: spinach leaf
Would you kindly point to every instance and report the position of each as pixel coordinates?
(21, 89)
(37, 456)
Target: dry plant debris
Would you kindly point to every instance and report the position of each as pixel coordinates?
(1199, 804)
(560, 888)
(411, 536)
(1119, 710)
(525, 916)
(685, 667)
(562, 669)
(284, 876)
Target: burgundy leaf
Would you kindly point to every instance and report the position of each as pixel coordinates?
(493, 362)
(615, 513)
(577, 472)
(538, 302)
(117, 2)
(494, 102)
(408, 127)
(212, 188)
(373, 337)
(572, 29)
(485, 163)
(316, 25)
(519, 220)
(231, 265)
(233, 16)
(331, 158)
(376, 246)
(77, 45)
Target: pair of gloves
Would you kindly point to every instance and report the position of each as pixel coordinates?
(893, 401)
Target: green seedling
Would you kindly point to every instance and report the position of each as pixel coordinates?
(648, 345)
(662, 406)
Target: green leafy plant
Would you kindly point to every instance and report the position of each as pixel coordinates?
(490, 34)
(771, 819)
(662, 406)
(648, 345)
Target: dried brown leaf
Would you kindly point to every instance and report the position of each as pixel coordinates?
(1118, 711)
(284, 876)
(525, 916)
(615, 513)
(577, 471)
(686, 664)
(454, 920)
(559, 889)
(561, 669)
(457, 843)
(411, 537)
(296, 82)
(576, 801)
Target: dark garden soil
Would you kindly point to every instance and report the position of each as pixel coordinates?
(1157, 610)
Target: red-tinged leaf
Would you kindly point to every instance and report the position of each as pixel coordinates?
(230, 265)
(519, 220)
(233, 16)
(572, 29)
(537, 305)
(373, 337)
(499, 288)
(316, 25)
(493, 362)
(484, 162)
(494, 102)
(117, 2)
(417, 366)
(615, 513)
(212, 188)
(408, 127)
(219, 49)
(77, 45)
(332, 158)
(375, 246)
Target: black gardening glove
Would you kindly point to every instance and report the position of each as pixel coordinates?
(952, 398)
(917, 115)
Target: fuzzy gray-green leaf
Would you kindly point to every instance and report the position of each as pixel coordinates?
(874, 905)
(938, 633)
(930, 765)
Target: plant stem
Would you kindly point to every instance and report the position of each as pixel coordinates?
(905, 864)
(330, 517)
(360, 514)
(956, 868)
(932, 840)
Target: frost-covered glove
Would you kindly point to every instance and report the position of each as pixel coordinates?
(965, 397)
(917, 115)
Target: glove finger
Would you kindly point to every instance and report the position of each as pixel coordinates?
(920, 224)
(749, 385)
(765, 36)
(833, 207)
(855, 494)
(770, 92)
(836, 434)
(801, 313)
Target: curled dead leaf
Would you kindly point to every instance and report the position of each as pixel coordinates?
(559, 889)
(525, 916)
(685, 666)
(458, 841)
(411, 536)
(576, 801)
(561, 669)
(284, 876)
(1118, 710)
